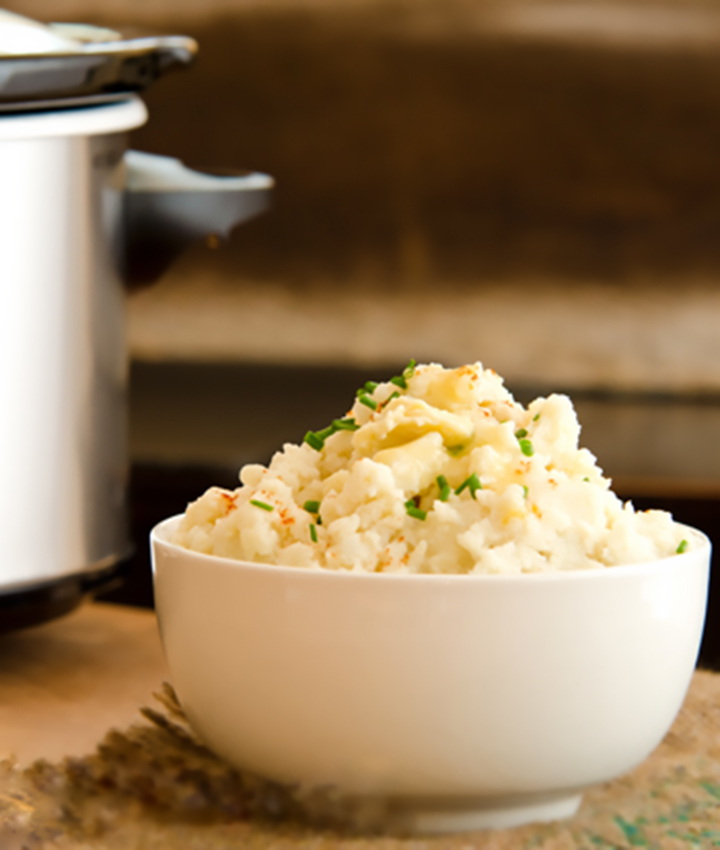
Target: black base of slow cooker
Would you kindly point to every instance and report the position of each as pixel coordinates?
(32, 606)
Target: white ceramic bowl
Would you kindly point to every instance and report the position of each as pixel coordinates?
(460, 701)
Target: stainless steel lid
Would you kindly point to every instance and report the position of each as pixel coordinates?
(64, 65)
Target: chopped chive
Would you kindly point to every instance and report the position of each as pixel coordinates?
(319, 520)
(311, 506)
(414, 512)
(313, 532)
(409, 370)
(347, 424)
(367, 389)
(316, 439)
(586, 478)
(682, 546)
(368, 402)
(472, 482)
(536, 417)
(312, 439)
(526, 447)
(399, 381)
(445, 489)
(525, 490)
(390, 398)
(263, 505)
(455, 450)
(520, 433)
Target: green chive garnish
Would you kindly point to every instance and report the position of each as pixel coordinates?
(316, 439)
(520, 433)
(472, 483)
(263, 505)
(586, 478)
(367, 389)
(536, 417)
(444, 488)
(682, 546)
(347, 424)
(368, 402)
(455, 450)
(325, 433)
(312, 439)
(313, 533)
(399, 381)
(409, 370)
(390, 398)
(526, 447)
(413, 511)
(525, 491)
(311, 506)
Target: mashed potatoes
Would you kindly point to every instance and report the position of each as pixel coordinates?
(437, 471)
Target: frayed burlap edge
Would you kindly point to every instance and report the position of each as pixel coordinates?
(155, 785)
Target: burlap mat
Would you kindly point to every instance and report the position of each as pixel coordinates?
(154, 786)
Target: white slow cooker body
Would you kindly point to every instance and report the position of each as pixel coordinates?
(63, 364)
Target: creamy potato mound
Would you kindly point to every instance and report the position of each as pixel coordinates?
(437, 471)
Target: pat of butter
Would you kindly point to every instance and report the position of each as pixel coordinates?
(406, 419)
(416, 464)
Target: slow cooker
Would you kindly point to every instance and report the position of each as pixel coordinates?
(81, 218)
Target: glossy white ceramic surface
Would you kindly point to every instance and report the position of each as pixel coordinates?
(63, 360)
(60, 125)
(470, 701)
(77, 215)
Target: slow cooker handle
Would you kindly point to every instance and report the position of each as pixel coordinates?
(168, 206)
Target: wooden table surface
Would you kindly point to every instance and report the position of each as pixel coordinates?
(65, 683)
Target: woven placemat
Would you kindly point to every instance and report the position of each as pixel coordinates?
(155, 787)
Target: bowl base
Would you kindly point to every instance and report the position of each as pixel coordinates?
(497, 814)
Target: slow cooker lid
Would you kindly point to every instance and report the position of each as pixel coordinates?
(60, 65)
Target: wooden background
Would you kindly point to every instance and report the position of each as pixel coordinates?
(530, 183)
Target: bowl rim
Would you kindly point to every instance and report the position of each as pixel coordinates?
(159, 534)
